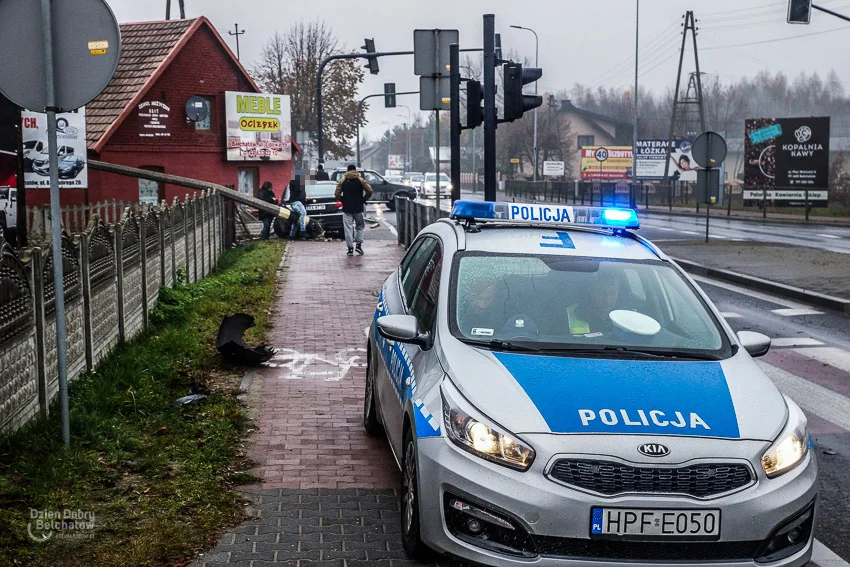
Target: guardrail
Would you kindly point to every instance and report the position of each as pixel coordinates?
(412, 217)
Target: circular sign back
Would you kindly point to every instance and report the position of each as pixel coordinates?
(709, 149)
(86, 48)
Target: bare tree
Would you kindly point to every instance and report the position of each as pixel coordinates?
(289, 63)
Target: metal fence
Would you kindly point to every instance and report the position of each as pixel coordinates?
(412, 217)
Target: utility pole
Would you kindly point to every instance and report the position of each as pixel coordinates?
(454, 78)
(237, 33)
(489, 107)
(690, 25)
(635, 118)
(168, 9)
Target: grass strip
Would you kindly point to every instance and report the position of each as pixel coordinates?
(156, 478)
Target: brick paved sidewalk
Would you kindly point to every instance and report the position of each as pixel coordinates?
(329, 495)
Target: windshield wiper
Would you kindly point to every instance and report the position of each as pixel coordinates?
(625, 351)
(507, 345)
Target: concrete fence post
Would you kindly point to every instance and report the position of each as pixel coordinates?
(119, 271)
(143, 250)
(38, 288)
(85, 276)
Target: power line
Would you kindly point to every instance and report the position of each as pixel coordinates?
(778, 39)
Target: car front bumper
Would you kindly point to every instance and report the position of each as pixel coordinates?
(556, 518)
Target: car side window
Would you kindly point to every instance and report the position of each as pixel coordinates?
(424, 306)
(412, 272)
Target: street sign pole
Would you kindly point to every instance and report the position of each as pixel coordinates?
(55, 222)
(489, 107)
(454, 70)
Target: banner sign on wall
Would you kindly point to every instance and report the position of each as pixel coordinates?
(259, 127)
(651, 154)
(787, 154)
(71, 138)
(553, 168)
(606, 162)
(395, 161)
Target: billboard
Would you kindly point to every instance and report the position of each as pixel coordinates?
(259, 127)
(395, 161)
(606, 162)
(651, 154)
(786, 154)
(553, 168)
(71, 148)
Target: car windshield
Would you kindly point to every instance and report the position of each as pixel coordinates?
(321, 190)
(558, 303)
(4, 192)
(433, 177)
(416, 178)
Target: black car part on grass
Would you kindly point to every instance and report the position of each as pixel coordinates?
(229, 341)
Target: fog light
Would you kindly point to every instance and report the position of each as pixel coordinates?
(794, 535)
(474, 527)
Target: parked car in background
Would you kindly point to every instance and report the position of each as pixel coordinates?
(70, 165)
(383, 191)
(412, 179)
(8, 212)
(428, 188)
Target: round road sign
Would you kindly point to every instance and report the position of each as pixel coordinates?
(709, 149)
(601, 154)
(86, 47)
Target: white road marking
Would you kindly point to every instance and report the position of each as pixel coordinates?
(718, 236)
(751, 293)
(835, 357)
(794, 342)
(730, 315)
(829, 235)
(822, 556)
(813, 398)
(688, 232)
(663, 228)
(796, 312)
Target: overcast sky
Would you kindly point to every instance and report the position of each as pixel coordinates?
(581, 41)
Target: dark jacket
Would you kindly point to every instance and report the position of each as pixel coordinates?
(267, 196)
(297, 192)
(353, 191)
(322, 175)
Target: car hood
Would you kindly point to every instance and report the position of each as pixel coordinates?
(530, 393)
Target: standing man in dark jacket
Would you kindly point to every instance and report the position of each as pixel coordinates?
(353, 191)
(297, 198)
(265, 194)
(321, 174)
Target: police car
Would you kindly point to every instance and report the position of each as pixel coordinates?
(557, 391)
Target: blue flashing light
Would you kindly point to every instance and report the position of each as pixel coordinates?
(526, 213)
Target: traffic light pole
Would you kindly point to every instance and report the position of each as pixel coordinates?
(360, 111)
(489, 107)
(830, 12)
(454, 95)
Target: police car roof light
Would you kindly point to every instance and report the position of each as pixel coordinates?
(616, 218)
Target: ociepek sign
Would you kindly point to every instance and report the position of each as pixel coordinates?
(259, 127)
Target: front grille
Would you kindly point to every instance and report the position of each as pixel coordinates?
(610, 478)
(646, 551)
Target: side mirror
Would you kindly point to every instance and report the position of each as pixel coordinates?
(404, 329)
(754, 343)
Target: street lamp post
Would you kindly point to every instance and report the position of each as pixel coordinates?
(536, 64)
(409, 157)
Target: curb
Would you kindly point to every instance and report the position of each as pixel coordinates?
(821, 221)
(780, 289)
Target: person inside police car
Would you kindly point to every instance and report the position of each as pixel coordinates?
(603, 296)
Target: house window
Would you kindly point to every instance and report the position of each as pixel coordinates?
(585, 141)
(249, 180)
(206, 123)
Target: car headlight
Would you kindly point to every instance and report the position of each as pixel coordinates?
(477, 435)
(791, 447)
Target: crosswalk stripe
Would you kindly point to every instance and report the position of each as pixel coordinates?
(829, 235)
(822, 556)
(730, 315)
(813, 398)
(835, 357)
(750, 292)
(796, 312)
(794, 342)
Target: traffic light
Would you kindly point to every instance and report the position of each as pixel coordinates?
(474, 111)
(389, 95)
(799, 11)
(373, 61)
(516, 103)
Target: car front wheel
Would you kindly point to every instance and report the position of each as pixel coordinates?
(410, 536)
(370, 413)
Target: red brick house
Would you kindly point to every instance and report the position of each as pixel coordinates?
(164, 64)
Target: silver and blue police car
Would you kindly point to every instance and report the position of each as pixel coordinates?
(557, 391)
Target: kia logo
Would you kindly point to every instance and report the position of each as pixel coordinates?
(654, 450)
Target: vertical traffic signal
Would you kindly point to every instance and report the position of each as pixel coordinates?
(799, 11)
(516, 103)
(474, 97)
(389, 95)
(373, 61)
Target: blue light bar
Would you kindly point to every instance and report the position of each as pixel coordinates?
(526, 213)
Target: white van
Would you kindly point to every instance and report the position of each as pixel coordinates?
(8, 211)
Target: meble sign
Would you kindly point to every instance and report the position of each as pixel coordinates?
(258, 127)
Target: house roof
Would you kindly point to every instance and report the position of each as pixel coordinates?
(592, 117)
(147, 48)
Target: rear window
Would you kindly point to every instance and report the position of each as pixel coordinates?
(321, 191)
(4, 192)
